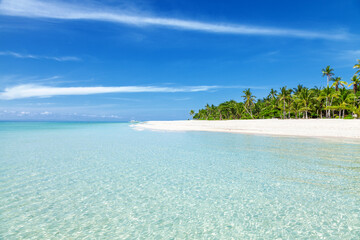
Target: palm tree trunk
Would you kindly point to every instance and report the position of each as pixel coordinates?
(284, 112)
(332, 98)
(328, 80)
(326, 111)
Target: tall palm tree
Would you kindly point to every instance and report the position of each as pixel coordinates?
(357, 66)
(249, 101)
(337, 81)
(355, 81)
(213, 111)
(328, 72)
(289, 102)
(192, 113)
(208, 111)
(298, 89)
(202, 114)
(223, 110)
(318, 103)
(295, 107)
(327, 93)
(274, 107)
(283, 97)
(305, 98)
(273, 93)
(345, 99)
(356, 111)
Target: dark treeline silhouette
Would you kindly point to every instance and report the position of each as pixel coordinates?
(332, 101)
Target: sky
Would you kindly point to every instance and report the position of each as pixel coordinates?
(121, 60)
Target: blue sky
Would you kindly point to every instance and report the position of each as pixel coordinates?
(155, 60)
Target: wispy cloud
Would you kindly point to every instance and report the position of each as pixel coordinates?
(28, 91)
(350, 54)
(181, 99)
(66, 11)
(31, 56)
(46, 113)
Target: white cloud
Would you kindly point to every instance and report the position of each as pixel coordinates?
(23, 113)
(28, 90)
(352, 54)
(65, 11)
(31, 56)
(46, 113)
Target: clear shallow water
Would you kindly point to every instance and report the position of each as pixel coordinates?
(108, 181)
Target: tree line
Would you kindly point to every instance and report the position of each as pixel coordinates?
(333, 101)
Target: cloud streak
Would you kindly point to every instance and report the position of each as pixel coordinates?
(65, 11)
(29, 90)
(31, 56)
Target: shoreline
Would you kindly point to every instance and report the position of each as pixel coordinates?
(314, 128)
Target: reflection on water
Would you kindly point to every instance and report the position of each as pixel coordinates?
(107, 181)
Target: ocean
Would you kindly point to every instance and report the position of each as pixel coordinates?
(109, 181)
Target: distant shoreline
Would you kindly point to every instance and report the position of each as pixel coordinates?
(321, 128)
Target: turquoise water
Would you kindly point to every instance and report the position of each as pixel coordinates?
(108, 181)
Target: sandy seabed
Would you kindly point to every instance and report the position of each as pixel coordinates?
(327, 128)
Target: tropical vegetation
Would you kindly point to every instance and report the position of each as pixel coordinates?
(333, 101)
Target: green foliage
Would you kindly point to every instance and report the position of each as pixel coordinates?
(300, 103)
(357, 66)
(334, 101)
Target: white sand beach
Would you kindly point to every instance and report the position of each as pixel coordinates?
(329, 128)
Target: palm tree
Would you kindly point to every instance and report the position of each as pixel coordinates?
(356, 111)
(327, 93)
(318, 103)
(337, 81)
(192, 113)
(273, 93)
(283, 96)
(294, 102)
(225, 110)
(328, 72)
(272, 107)
(295, 106)
(289, 101)
(355, 82)
(298, 89)
(345, 99)
(239, 110)
(357, 66)
(202, 114)
(249, 101)
(208, 111)
(305, 97)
